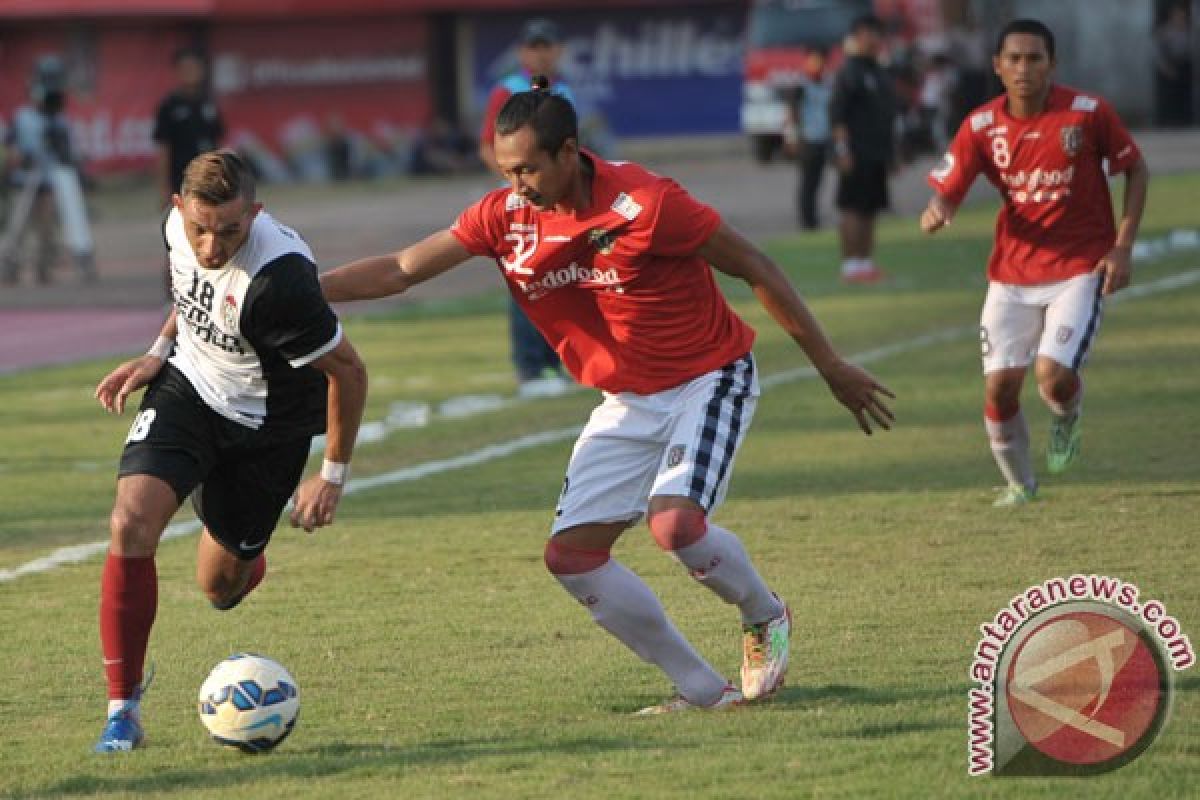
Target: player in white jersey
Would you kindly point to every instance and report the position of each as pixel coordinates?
(251, 364)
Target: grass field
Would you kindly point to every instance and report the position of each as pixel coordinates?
(437, 658)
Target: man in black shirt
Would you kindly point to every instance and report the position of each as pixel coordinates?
(862, 112)
(187, 123)
(251, 364)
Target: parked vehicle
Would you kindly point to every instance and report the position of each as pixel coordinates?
(780, 34)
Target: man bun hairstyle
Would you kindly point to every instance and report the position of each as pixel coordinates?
(1033, 27)
(551, 116)
(217, 178)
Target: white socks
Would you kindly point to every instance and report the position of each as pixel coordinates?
(622, 604)
(133, 706)
(1010, 447)
(719, 561)
(856, 266)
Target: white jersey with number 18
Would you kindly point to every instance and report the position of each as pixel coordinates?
(248, 330)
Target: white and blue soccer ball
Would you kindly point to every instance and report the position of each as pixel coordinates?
(249, 702)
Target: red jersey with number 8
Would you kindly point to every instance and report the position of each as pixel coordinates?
(1057, 218)
(616, 288)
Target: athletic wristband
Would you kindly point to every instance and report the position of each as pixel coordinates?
(333, 472)
(161, 348)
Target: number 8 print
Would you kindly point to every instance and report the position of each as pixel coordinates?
(141, 426)
(1000, 153)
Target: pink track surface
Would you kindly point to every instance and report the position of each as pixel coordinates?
(35, 338)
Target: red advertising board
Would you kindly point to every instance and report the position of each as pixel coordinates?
(281, 85)
(287, 85)
(115, 77)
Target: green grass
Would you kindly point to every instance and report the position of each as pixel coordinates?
(437, 658)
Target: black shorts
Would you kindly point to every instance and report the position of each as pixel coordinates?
(239, 479)
(864, 189)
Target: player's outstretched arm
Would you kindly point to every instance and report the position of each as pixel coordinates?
(382, 276)
(132, 375)
(937, 214)
(854, 387)
(317, 498)
(1116, 267)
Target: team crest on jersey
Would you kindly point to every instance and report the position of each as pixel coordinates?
(229, 312)
(675, 455)
(602, 240)
(1071, 137)
(1064, 334)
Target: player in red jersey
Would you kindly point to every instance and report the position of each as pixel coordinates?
(1057, 250)
(611, 262)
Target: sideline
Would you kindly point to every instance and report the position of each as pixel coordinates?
(78, 553)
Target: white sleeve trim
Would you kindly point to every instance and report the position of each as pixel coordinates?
(304, 361)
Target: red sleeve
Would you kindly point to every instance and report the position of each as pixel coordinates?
(1114, 141)
(496, 100)
(954, 175)
(476, 226)
(682, 223)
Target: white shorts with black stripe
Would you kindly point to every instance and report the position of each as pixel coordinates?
(681, 441)
(1056, 320)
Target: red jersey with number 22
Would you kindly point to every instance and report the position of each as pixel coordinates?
(1057, 219)
(616, 288)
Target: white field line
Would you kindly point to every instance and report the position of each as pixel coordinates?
(78, 553)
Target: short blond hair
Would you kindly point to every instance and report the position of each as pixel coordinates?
(218, 178)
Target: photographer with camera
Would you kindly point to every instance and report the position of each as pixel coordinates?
(49, 197)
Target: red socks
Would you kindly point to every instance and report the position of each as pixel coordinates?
(128, 602)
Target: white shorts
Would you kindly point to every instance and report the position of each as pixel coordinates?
(681, 441)
(1056, 320)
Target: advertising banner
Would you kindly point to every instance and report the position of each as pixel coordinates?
(114, 81)
(644, 72)
(290, 91)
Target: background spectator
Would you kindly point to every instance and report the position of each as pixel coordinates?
(1173, 68)
(807, 134)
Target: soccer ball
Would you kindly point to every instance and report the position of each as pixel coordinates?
(249, 702)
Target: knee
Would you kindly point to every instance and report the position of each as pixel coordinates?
(565, 558)
(223, 591)
(133, 533)
(1060, 386)
(676, 528)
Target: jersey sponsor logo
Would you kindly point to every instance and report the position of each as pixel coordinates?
(1124, 151)
(1071, 138)
(999, 130)
(558, 237)
(195, 309)
(602, 240)
(943, 170)
(1064, 333)
(1084, 103)
(568, 276)
(1038, 177)
(514, 201)
(981, 120)
(229, 312)
(626, 206)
